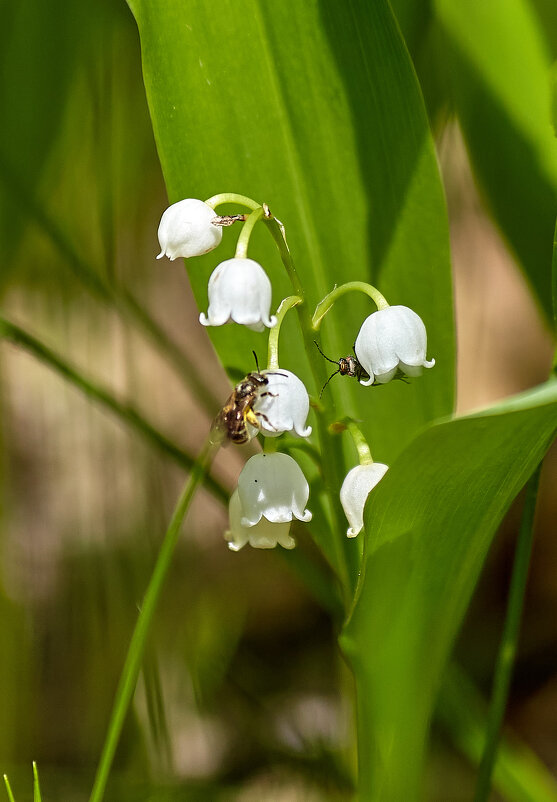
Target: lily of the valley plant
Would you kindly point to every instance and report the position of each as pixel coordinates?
(392, 342)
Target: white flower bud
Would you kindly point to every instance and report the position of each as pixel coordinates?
(283, 404)
(186, 230)
(389, 340)
(239, 290)
(358, 484)
(272, 486)
(264, 535)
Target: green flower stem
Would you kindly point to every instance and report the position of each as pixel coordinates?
(36, 786)
(364, 454)
(232, 197)
(273, 351)
(554, 295)
(124, 411)
(328, 444)
(507, 648)
(270, 444)
(245, 234)
(277, 232)
(8, 789)
(132, 665)
(352, 286)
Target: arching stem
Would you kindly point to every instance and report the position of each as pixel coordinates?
(273, 350)
(352, 286)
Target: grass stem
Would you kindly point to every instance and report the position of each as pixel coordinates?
(134, 657)
(509, 640)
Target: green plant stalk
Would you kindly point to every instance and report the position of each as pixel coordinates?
(554, 295)
(127, 413)
(509, 640)
(519, 775)
(132, 665)
(8, 789)
(232, 197)
(326, 304)
(272, 347)
(118, 298)
(245, 234)
(36, 786)
(360, 443)
(330, 467)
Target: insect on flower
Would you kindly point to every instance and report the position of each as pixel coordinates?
(347, 366)
(237, 415)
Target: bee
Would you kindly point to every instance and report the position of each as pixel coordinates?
(233, 419)
(347, 366)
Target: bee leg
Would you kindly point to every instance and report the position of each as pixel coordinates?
(266, 419)
(273, 395)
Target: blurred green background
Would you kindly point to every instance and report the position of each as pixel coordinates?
(241, 694)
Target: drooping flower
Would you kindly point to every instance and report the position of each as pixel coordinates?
(389, 340)
(239, 290)
(358, 484)
(272, 486)
(186, 230)
(263, 535)
(283, 404)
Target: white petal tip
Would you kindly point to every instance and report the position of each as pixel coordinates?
(272, 322)
(429, 364)
(290, 544)
(161, 254)
(350, 533)
(367, 383)
(307, 516)
(234, 546)
(204, 320)
(304, 432)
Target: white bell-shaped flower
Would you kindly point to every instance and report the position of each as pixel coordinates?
(239, 290)
(283, 404)
(272, 486)
(264, 535)
(186, 229)
(358, 484)
(389, 340)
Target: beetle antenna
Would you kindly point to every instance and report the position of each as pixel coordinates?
(256, 361)
(328, 380)
(334, 361)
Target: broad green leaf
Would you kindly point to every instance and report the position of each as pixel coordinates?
(38, 57)
(315, 109)
(430, 522)
(499, 72)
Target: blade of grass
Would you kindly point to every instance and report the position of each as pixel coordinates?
(519, 774)
(509, 640)
(36, 786)
(117, 297)
(124, 411)
(554, 293)
(8, 788)
(132, 665)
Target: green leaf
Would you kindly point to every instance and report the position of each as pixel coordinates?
(315, 109)
(498, 67)
(430, 522)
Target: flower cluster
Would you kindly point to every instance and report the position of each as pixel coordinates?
(391, 343)
(239, 289)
